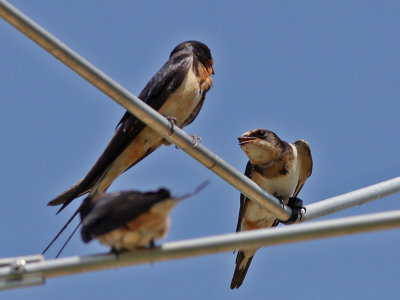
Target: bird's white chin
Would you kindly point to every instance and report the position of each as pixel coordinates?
(258, 155)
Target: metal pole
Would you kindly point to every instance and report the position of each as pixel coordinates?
(354, 198)
(141, 110)
(203, 246)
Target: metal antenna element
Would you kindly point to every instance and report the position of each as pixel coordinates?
(196, 247)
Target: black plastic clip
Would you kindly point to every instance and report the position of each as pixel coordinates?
(296, 204)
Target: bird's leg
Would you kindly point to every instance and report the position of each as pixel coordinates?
(196, 140)
(152, 245)
(115, 251)
(280, 198)
(172, 122)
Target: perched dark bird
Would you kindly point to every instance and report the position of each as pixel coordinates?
(279, 168)
(176, 91)
(127, 220)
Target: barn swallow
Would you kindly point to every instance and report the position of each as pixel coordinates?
(176, 91)
(278, 167)
(128, 220)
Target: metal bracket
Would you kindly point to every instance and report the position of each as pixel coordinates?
(12, 272)
(296, 204)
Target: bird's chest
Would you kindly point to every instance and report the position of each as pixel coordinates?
(282, 186)
(137, 233)
(142, 230)
(184, 100)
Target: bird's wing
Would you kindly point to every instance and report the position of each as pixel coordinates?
(155, 93)
(114, 210)
(306, 164)
(248, 172)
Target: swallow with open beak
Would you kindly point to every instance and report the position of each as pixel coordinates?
(278, 167)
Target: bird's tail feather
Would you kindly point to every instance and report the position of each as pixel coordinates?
(67, 241)
(242, 265)
(61, 231)
(66, 197)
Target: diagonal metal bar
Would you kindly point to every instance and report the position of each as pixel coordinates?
(141, 110)
(203, 246)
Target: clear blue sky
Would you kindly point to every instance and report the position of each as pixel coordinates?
(325, 72)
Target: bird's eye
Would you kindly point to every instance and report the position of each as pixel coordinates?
(261, 133)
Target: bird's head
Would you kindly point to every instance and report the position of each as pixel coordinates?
(260, 145)
(199, 49)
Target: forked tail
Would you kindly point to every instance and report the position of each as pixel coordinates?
(242, 265)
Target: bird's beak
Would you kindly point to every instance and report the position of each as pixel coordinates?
(210, 68)
(245, 139)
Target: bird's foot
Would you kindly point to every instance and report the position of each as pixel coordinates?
(115, 251)
(280, 198)
(196, 140)
(152, 245)
(172, 122)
